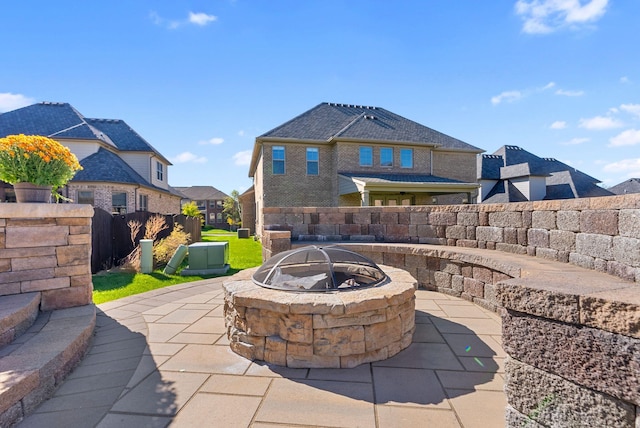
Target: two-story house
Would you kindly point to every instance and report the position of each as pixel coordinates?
(512, 174)
(210, 202)
(121, 173)
(351, 155)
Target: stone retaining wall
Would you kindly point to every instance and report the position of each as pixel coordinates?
(601, 234)
(46, 248)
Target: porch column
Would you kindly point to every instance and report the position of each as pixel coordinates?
(364, 198)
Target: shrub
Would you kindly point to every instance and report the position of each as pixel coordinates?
(164, 249)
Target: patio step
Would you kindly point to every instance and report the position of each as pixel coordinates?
(17, 313)
(36, 362)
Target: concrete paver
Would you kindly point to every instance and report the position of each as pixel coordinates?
(162, 359)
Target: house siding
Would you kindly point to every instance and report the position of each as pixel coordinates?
(80, 149)
(158, 202)
(456, 165)
(348, 157)
(295, 187)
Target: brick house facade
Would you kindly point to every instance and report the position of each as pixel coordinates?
(346, 155)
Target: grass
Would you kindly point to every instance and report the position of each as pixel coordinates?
(112, 285)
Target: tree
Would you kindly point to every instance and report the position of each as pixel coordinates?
(191, 210)
(232, 210)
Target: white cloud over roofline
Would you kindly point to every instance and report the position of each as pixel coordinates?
(630, 167)
(599, 123)
(242, 158)
(9, 101)
(188, 157)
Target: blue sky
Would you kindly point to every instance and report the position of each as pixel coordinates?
(201, 79)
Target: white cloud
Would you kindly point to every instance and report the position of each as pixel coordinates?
(214, 141)
(558, 124)
(242, 158)
(241, 133)
(624, 79)
(548, 86)
(600, 123)
(633, 109)
(575, 141)
(547, 16)
(507, 96)
(569, 93)
(201, 19)
(631, 167)
(9, 101)
(188, 157)
(630, 137)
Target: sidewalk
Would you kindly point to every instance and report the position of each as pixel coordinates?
(162, 359)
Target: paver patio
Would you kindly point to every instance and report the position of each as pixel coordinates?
(162, 359)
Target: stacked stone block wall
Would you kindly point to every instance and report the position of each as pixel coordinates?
(601, 234)
(46, 248)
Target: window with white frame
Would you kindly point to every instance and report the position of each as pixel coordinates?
(159, 171)
(386, 156)
(406, 158)
(366, 156)
(277, 153)
(312, 161)
(143, 202)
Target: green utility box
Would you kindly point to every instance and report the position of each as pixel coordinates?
(207, 258)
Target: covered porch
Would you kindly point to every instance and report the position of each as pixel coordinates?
(404, 189)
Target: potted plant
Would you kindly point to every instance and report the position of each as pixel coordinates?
(36, 166)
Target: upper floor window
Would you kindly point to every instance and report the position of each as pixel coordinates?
(312, 161)
(366, 156)
(386, 156)
(85, 197)
(202, 205)
(406, 158)
(159, 171)
(278, 159)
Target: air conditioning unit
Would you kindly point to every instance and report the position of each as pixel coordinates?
(206, 258)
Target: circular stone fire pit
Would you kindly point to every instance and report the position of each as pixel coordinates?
(346, 325)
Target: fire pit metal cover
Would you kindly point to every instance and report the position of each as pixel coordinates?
(318, 269)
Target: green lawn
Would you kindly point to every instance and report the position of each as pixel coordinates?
(243, 254)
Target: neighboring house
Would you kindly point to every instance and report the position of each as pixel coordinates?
(210, 203)
(122, 172)
(631, 185)
(348, 155)
(512, 174)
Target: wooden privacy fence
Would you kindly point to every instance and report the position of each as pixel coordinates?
(111, 235)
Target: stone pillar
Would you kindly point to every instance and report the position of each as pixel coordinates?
(46, 248)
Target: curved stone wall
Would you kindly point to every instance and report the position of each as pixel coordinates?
(572, 334)
(601, 234)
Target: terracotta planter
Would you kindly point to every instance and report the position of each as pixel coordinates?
(29, 192)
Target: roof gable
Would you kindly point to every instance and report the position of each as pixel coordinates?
(329, 121)
(123, 136)
(106, 166)
(631, 185)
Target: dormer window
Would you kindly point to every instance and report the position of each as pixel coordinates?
(159, 171)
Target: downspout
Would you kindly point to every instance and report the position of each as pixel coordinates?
(431, 162)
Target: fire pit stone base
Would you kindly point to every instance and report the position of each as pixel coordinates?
(332, 329)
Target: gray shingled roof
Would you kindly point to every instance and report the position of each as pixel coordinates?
(61, 120)
(107, 166)
(398, 178)
(631, 185)
(202, 193)
(328, 121)
(562, 180)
